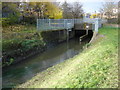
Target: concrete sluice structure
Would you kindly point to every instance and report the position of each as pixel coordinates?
(82, 27)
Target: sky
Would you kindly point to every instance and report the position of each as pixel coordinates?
(89, 6)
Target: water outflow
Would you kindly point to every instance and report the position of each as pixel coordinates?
(25, 70)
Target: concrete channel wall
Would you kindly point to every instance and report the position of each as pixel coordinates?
(53, 37)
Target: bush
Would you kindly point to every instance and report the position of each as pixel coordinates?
(29, 20)
(27, 45)
(5, 22)
(11, 44)
(10, 20)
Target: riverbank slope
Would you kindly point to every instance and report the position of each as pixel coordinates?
(95, 67)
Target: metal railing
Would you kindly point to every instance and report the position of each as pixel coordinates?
(57, 24)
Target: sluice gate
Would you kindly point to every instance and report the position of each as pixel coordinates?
(81, 27)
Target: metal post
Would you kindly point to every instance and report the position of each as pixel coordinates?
(96, 24)
(64, 24)
(49, 22)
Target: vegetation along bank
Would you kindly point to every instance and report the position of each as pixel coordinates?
(22, 42)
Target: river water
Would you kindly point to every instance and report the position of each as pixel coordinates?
(25, 70)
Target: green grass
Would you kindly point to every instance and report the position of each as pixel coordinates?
(95, 67)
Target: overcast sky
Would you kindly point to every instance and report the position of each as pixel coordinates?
(89, 6)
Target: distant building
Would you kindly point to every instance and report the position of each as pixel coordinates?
(87, 15)
(108, 15)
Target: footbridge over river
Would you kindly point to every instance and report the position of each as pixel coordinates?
(77, 24)
(70, 24)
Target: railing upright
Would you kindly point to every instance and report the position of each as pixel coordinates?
(96, 25)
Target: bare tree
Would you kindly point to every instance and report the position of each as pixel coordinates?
(77, 10)
(109, 9)
(66, 10)
(73, 10)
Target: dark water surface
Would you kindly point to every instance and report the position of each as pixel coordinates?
(25, 70)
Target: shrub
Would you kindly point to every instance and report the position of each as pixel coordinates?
(10, 20)
(29, 20)
(11, 44)
(5, 22)
(30, 44)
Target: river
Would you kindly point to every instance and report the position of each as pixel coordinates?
(25, 70)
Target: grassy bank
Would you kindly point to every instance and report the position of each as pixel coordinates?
(96, 67)
(18, 41)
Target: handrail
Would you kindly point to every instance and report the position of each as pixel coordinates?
(56, 24)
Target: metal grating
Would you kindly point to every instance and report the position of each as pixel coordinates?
(57, 24)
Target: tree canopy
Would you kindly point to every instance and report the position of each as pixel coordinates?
(108, 9)
(73, 10)
(25, 11)
(13, 12)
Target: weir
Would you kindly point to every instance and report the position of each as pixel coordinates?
(78, 25)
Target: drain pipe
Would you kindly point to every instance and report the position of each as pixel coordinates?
(87, 28)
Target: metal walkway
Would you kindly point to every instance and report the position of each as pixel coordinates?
(58, 24)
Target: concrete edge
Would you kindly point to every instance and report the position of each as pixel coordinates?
(93, 37)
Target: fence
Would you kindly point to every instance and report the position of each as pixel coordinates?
(57, 24)
(54, 24)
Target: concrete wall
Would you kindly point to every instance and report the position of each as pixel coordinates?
(54, 37)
